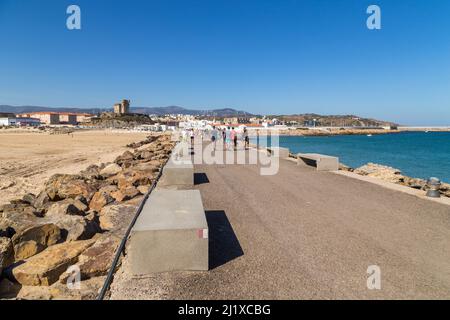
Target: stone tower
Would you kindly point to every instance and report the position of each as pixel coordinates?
(122, 108)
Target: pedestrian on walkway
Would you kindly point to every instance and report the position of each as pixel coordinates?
(246, 139)
(214, 137)
(234, 138)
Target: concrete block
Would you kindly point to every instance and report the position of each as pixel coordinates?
(282, 152)
(320, 161)
(179, 171)
(171, 234)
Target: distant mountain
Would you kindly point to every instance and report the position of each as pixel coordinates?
(227, 112)
(26, 109)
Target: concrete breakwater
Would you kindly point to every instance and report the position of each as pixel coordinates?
(75, 221)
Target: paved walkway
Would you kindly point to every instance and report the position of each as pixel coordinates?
(303, 234)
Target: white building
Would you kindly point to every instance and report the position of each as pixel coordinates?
(7, 122)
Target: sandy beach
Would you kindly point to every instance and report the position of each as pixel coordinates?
(27, 158)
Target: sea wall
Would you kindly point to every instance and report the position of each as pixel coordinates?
(76, 220)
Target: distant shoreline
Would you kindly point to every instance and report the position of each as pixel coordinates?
(323, 132)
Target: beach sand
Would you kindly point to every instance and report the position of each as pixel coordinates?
(28, 158)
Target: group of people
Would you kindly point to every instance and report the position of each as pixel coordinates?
(229, 137)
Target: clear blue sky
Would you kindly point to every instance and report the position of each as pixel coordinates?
(278, 56)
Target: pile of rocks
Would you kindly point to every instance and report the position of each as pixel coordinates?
(395, 176)
(75, 220)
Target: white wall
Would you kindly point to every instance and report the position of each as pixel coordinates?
(7, 122)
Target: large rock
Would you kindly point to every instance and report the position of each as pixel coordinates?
(42, 201)
(45, 268)
(127, 156)
(76, 228)
(89, 290)
(91, 173)
(116, 218)
(102, 198)
(111, 170)
(97, 260)
(63, 186)
(19, 208)
(35, 239)
(141, 174)
(381, 172)
(6, 253)
(29, 198)
(68, 206)
(125, 194)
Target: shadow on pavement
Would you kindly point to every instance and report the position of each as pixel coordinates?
(200, 178)
(223, 243)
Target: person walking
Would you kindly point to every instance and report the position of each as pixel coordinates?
(234, 138)
(192, 137)
(214, 137)
(224, 137)
(246, 139)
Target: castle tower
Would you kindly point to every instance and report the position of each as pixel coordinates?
(125, 106)
(122, 108)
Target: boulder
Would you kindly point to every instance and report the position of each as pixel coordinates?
(42, 201)
(19, 208)
(146, 154)
(63, 186)
(116, 218)
(66, 207)
(101, 199)
(127, 156)
(381, 172)
(141, 174)
(45, 268)
(29, 198)
(76, 228)
(111, 170)
(91, 173)
(144, 189)
(35, 239)
(89, 290)
(9, 289)
(97, 260)
(125, 194)
(6, 253)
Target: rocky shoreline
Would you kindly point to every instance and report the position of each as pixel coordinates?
(75, 220)
(394, 175)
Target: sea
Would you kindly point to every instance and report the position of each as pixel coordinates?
(415, 154)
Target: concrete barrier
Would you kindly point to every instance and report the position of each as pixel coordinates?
(320, 161)
(179, 171)
(171, 234)
(280, 152)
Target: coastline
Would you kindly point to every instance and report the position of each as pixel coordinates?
(321, 132)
